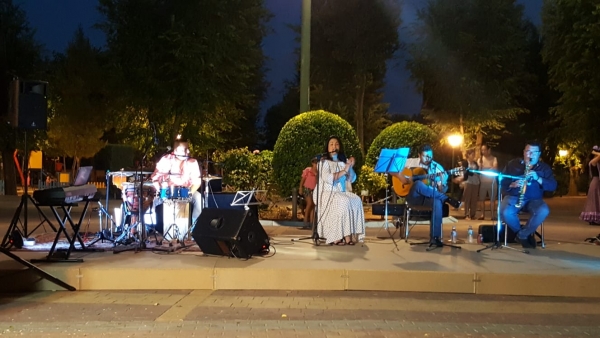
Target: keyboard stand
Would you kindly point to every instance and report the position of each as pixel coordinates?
(55, 256)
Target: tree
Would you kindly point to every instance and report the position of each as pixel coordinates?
(20, 57)
(351, 42)
(401, 135)
(195, 67)
(571, 32)
(469, 62)
(302, 138)
(80, 109)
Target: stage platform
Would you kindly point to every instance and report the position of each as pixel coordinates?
(568, 266)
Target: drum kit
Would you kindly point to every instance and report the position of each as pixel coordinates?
(136, 188)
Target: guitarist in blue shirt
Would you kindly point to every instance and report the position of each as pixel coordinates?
(416, 175)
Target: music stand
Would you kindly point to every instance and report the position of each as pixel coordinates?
(497, 244)
(390, 161)
(244, 198)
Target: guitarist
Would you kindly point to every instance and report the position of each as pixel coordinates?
(428, 194)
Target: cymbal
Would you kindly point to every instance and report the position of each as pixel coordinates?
(210, 178)
(129, 173)
(121, 173)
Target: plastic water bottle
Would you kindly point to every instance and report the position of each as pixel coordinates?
(453, 234)
(470, 234)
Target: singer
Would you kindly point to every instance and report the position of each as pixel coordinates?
(178, 169)
(432, 195)
(539, 178)
(340, 214)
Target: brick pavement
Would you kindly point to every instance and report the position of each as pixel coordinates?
(205, 313)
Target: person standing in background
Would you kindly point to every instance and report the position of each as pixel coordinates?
(488, 186)
(307, 186)
(591, 210)
(472, 182)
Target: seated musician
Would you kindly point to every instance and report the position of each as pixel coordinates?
(340, 214)
(526, 193)
(178, 169)
(433, 195)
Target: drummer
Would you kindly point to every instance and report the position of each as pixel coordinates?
(178, 169)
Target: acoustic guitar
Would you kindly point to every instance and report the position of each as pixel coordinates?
(418, 174)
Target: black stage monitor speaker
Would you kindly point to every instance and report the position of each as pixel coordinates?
(28, 105)
(230, 232)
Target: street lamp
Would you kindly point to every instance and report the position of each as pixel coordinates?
(454, 140)
(305, 57)
(563, 153)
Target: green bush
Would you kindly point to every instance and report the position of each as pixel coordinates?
(244, 170)
(302, 138)
(401, 135)
(370, 180)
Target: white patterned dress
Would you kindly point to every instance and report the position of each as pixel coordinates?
(339, 212)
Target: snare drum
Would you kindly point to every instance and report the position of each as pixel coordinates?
(130, 195)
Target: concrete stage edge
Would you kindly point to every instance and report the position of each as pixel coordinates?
(562, 269)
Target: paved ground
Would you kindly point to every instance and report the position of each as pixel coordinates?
(293, 314)
(305, 314)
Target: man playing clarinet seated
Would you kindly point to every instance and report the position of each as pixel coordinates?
(179, 170)
(526, 193)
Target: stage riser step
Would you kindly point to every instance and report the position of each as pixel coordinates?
(96, 279)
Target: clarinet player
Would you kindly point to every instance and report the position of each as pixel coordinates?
(526, 194)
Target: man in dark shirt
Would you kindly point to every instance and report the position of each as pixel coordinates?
(539, 178)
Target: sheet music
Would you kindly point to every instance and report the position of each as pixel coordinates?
(391, 160)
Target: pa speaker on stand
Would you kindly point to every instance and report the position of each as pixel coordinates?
(28, 105)
(230, 232)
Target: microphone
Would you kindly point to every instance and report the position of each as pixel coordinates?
(154, 137)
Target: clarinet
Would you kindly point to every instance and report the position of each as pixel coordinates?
(524, 186)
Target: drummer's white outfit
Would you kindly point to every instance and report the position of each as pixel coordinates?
(180, 173)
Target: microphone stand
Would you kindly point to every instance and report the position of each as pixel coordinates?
(314, 237)
(497, 244)
(141, 241)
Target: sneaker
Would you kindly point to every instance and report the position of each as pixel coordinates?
(454, 203)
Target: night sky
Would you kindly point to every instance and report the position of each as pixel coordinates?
(56, 21)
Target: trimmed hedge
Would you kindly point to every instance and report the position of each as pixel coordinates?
(244, 170)
(302, 138)
(401, 135)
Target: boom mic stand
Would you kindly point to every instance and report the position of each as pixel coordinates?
(141, 241)
(497, 244)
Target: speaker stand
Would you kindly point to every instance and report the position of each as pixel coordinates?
(22, 208)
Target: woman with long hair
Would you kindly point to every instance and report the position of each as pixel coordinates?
(340, 214)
